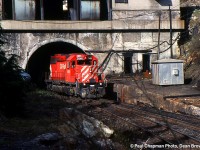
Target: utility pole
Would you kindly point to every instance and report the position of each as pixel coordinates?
(158, 55)
(170, 18)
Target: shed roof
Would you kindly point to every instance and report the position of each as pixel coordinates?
(161, 61)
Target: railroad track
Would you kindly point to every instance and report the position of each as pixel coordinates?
(181, 127)
(172, 131)
(186, 121)
(161, 127)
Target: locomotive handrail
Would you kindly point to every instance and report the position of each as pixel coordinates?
(106, 60)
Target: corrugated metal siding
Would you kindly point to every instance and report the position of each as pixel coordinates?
(90, 10)
(24, 9)
(155, 74)
(163, 73)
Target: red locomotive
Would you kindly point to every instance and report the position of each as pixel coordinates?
(76, 74)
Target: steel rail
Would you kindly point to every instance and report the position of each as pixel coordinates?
(195, 125)
(162, 124)
(138, 126)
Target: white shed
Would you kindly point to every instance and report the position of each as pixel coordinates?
(167, 72)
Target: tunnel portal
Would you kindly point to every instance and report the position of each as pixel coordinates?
(38, 64)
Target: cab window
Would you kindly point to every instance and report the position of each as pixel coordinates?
(73, 64)
(80, 62)
(88, 62)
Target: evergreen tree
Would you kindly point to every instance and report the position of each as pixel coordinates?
(12, 87)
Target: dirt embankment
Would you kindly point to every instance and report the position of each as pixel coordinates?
(51, 122)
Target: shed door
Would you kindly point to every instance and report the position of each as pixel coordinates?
(90, 10)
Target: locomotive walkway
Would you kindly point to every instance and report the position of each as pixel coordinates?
(174, 98)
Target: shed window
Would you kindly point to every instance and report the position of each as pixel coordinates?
(121, 1)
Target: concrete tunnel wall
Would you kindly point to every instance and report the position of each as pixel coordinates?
(25, 45)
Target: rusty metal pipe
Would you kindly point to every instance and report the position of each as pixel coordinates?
(176, 96)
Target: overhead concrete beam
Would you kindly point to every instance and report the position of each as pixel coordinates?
(90, 25)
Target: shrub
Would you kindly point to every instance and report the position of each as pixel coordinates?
(12, 89)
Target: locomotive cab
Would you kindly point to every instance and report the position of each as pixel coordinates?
(77, 74)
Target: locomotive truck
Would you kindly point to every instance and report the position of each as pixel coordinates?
(76, 74)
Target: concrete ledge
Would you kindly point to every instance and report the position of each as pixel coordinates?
(89, 25)
(144, 92)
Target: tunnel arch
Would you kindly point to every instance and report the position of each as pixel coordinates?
(38, 58)
(32, 50)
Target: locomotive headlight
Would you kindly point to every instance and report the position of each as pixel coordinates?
(100, 84)
(84, 84)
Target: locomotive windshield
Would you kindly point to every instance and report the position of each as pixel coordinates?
(88, 62)
(84, 62)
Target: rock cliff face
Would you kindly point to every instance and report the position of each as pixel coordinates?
(190, 49)
(189, 3)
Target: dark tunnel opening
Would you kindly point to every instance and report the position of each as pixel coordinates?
(38, 64)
